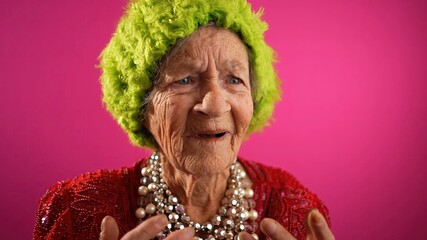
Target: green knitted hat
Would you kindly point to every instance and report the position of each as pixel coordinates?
(150, 28)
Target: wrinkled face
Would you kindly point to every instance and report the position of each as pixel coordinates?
(202, 106)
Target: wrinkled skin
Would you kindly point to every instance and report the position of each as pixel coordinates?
(199, 113)
(204, 91)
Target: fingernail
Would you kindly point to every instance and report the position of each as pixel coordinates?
(162, 221)
(317, 217)
(103, 223)
(245, 236)
(270, 228)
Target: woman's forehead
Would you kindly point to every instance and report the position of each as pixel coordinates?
(223, 45)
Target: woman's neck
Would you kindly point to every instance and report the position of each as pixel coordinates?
(201, 196)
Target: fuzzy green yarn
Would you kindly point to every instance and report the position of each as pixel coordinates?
(150, 28)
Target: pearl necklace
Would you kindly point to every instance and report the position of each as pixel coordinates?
(236, 214)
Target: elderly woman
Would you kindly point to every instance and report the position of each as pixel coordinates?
(191, 80)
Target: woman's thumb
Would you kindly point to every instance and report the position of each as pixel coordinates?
(109, 229)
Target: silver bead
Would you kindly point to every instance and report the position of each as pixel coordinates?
(169, 226)
(173, 200)
(234, 202)
(168, 208)
(150, 208)
(160, 191)
(207, 227)
(219, 233)
(173, 217)
(197, 226)
(216, 220)
(179, 225)
(180, 208)
(144, 181)
(228, 223)
(244, 215)
(185, 218)
(222, 211)
(154, 179)
(160, 197)
(240, 227)
(237, 192)
(161, 236)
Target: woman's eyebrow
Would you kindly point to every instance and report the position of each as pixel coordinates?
(235, 65)
(186, 64)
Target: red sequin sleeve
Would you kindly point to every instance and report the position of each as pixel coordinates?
(74, 209)
(280, 196)
(54, 215)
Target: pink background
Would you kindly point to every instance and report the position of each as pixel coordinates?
(352, 125)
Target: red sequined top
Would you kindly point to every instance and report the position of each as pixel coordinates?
(74, 209)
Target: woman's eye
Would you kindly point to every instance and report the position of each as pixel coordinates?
(234, 80)
(183, 81)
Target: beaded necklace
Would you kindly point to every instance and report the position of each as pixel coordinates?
(234, 216)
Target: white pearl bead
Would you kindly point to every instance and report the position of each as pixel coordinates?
(140, 213)
(242, 173)
(253, 215)
(145, 171)
(150, 208)
(143, 190)
(249, 193)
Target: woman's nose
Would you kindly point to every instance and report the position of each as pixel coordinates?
(213, 102)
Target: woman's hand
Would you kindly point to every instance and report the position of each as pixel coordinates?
(315, 224)
(144, 231)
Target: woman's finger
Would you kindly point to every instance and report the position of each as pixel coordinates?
(275, 230)
(308, 232)
(109, 229)
(147, 229)
(319, 228)
(245, 236)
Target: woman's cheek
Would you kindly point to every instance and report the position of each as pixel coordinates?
(244, 111)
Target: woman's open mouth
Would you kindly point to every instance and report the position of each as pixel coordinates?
(211, 136)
